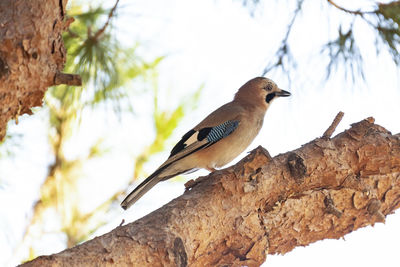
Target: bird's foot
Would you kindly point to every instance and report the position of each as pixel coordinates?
(189, 184)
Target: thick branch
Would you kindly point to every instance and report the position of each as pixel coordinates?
(325, 189)
(31, 53)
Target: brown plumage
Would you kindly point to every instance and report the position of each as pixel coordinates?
(217, 139)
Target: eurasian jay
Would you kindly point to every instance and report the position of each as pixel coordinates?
(219, 138)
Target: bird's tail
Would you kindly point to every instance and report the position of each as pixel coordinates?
(140, 190)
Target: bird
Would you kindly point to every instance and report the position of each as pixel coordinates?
(219, 138)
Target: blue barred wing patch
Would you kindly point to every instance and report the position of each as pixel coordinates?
(221, 131)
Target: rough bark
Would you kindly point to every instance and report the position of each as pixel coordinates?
(262, 205)
(32, 53)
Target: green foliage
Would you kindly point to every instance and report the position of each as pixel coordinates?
(284, 59)
(97, 56)
(105, 66)
(384, 20)
(344, 51)
(389, 27)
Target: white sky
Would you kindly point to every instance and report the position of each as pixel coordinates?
(217, 43)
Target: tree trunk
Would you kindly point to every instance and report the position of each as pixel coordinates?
(32, 54)
(262, 205)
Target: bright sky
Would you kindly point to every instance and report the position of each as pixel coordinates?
(218, 44)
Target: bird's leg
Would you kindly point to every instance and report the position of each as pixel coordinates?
(189, 184)
(192, 183)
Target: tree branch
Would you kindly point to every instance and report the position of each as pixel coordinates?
(110, 15)
(68, 79)
(31, 52)
(353, 12)
(328, 133)
(324, 189)
(284, 50)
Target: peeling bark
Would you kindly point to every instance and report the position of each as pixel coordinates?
(31, 53)
(262, 205)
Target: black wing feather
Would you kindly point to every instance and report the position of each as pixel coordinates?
(213, 135)
(203, 133)
(181, 144)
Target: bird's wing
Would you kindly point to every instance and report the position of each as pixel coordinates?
(216, 126)
(191, 142)
(194, 140)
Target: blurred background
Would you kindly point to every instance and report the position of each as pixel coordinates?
(153, 69)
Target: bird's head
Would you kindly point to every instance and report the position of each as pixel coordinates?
(259, 92)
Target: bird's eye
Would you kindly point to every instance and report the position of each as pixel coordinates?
(268, 87)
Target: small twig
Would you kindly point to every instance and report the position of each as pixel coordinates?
(72, 34)
(328, 133)
(353, 12)
(284, 48)
(100, 31)
(68, 79)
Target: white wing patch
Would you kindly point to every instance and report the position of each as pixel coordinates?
(192, 139)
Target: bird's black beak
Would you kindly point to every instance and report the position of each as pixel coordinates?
(283, 93)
